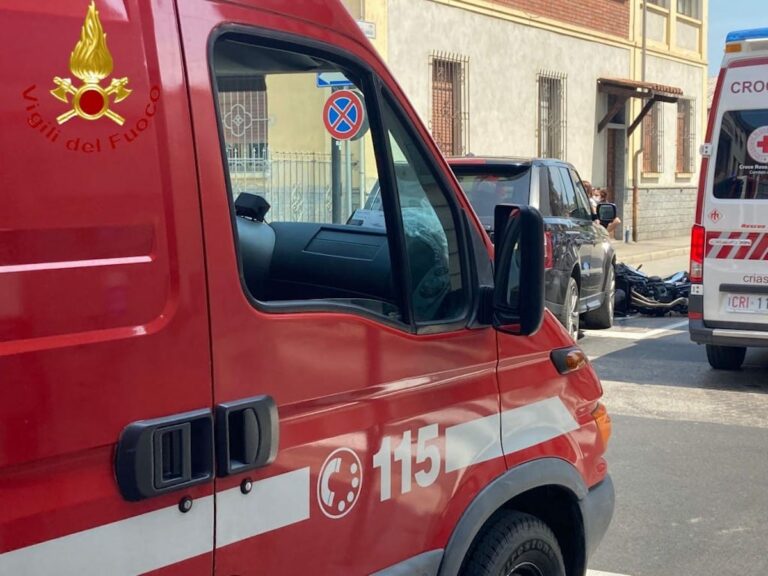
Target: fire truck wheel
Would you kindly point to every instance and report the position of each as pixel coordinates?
(516, 545)
(726, 357)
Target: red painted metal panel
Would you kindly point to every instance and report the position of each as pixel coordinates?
(103, 317)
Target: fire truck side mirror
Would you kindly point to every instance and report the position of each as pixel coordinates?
(518, 295)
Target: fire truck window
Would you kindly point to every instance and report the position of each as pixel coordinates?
(300, 161)
(432, 243)
(741, 166)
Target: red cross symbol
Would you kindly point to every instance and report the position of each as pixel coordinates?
(763, 144)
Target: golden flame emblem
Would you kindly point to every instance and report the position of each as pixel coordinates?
(91, 62)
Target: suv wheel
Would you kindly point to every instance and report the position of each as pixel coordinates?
(603, 317)
(570, 317)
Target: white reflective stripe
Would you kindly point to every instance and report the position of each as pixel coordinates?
(478, 440)
(534, 424)
(163, 537)
(272, 503)
(126, 547)
(472, 442)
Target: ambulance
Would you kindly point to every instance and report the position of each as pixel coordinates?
(728, 308)
(213, 360)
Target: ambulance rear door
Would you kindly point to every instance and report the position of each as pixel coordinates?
(734, 210)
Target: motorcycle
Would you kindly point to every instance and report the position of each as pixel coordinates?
(650, 295)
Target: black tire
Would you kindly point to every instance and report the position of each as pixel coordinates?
(726, 357)
(570, 314)
(603, 317)
(516, 545)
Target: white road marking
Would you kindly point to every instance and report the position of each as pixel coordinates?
(599, 573)
(728, 407)
(637, 334)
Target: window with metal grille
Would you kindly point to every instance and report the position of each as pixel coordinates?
(690, 8)
(653, 140)
(551, 130)
(243, 106)
(449, 121)
(686, 135)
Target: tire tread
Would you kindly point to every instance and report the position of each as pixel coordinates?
(504, 537)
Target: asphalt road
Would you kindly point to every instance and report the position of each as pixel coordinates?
(689, 453)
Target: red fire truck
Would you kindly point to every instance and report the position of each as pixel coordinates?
(215, 360)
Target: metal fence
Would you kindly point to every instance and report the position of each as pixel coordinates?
(297, 185)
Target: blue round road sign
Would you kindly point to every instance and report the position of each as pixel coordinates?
(343, 114)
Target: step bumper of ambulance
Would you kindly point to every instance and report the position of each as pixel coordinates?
(727, 336)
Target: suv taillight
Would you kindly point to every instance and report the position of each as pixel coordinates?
(549, 260)
(698, 234)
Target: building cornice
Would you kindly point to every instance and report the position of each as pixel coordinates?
(493, 9)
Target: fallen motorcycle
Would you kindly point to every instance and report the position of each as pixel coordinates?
(650, 295)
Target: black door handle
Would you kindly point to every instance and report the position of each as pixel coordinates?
(164, 454)
(247, 434)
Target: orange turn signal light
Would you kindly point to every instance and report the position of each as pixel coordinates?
(603, 421)
(569, 359)
(575, 360)
(730, 48)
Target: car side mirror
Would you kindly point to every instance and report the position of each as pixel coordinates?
(606, 213)
(518, 294)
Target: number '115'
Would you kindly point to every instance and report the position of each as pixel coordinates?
(427, 460)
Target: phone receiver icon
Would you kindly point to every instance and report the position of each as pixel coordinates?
(326, 493)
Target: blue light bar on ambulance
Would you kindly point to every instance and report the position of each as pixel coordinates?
(755, 40)
(741, 35)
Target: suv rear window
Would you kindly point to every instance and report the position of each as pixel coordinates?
(486, 188)
(741, 168)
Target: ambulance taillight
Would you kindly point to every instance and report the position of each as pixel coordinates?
(698, 234)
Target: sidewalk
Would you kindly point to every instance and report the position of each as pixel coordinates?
(634, 253)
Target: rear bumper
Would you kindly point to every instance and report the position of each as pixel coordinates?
(727, 336)
(597, 511)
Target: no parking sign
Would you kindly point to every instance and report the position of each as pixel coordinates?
(344, 115)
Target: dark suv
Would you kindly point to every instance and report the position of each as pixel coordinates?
(579, 256)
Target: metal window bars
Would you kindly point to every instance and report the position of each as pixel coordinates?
(551, 129)
(243, 108)
(449, 114)
(653, 140)
(686, 135)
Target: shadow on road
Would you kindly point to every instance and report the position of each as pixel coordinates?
(671, 359)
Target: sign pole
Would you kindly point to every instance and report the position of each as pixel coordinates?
(335, 178)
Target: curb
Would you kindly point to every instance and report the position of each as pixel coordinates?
(643, 257)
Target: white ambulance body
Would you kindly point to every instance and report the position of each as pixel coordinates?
(729, 242)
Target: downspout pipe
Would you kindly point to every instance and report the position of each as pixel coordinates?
(635, 191)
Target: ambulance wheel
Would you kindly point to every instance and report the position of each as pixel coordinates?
(726, 357)
(603, 316)
(516, 545)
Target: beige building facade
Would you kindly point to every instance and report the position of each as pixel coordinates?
(539, 77)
